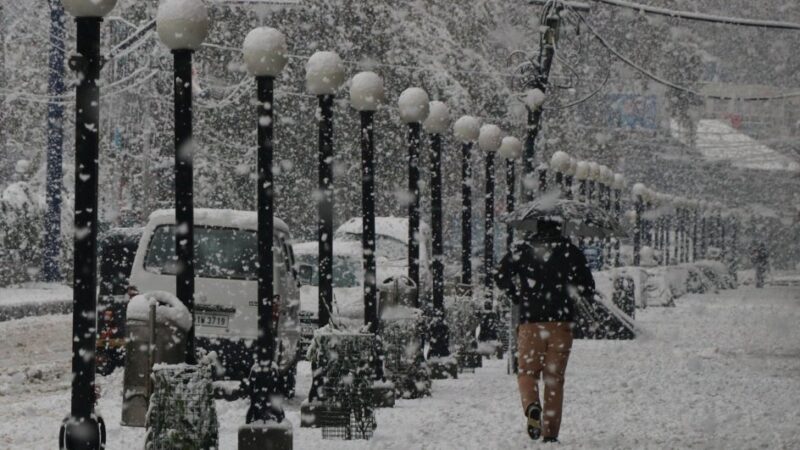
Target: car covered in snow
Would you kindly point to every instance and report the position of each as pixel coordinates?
(226, 256)
(391, 245)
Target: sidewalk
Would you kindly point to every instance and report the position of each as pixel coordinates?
(34, 299)
(716, 371)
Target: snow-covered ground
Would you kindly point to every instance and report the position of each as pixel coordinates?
(717, 371)
(34, 293)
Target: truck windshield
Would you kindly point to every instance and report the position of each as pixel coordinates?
(219, 252)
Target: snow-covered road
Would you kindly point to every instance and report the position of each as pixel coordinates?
(717, 371)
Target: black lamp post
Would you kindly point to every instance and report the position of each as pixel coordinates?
(581, 174)
(324, 75)
(510, 150)
(542, 169)
(414, 108)
(366, 93)
(533, 99)
(619, 185)
(83, 428)
(467, 129)
(559, 163)
(436, 124)
(639, 191)
(265, 51)
(489, 142)
(182, 30)
(593, 188)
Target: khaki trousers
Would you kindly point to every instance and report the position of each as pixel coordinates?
(543, 353)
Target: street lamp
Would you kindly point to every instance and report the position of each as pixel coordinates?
(466, 130)
(414, 108)
(639, 191)
(83, 428)
(607, 181)
(182, 26)
(265, 57)
(582, 175)
(594, 174)
(618, 185)
(324, 75)
(366, 94)
(436, 124)
(542, 169)
(569, 176)
(511, 150)
(533, 100)
(489, 140)
(560, 162)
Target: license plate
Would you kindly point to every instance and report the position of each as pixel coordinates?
(207, 319)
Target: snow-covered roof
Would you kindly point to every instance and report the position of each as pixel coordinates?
(247, 220)
(394, 227)
(719, 141)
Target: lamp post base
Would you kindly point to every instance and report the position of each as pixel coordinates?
(266, 436)
(82, 434)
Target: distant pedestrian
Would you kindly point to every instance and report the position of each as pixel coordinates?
(544, 275)
(759, 255)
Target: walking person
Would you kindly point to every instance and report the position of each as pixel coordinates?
(544, 275)
(759, 255)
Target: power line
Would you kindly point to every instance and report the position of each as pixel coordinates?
(671, 84)
(702, 17)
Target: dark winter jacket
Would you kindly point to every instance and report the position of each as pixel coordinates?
(543, 276)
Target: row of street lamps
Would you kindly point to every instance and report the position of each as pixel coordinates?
(182, 26)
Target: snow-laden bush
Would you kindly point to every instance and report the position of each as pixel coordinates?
(21, 224)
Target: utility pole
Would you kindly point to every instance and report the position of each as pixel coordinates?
(540, 77)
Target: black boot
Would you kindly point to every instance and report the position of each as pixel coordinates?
(550, 439)
(534, 415)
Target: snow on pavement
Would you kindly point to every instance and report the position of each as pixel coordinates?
(717, 371)
(35, 293)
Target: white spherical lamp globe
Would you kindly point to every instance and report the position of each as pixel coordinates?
(89, 8)
(182, 24)
(639, 190)
(438, 120)
(559, 161)
(324, 73)
(414, 105)
(490, 138)
(573, 166)
(534, 99)
(264, 52)
(594, 171)
(619, 181)
(510, 148)
(366, 91)
(606, 175)
(582, 170)
(467, 129)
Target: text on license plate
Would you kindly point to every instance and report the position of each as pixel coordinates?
(206, 319)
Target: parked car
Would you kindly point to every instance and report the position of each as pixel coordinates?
(225, 248)
(117, 249)
(391, 245)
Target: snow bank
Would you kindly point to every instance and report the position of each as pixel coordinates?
(414, 105)
(324, 73)
(168, 309)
